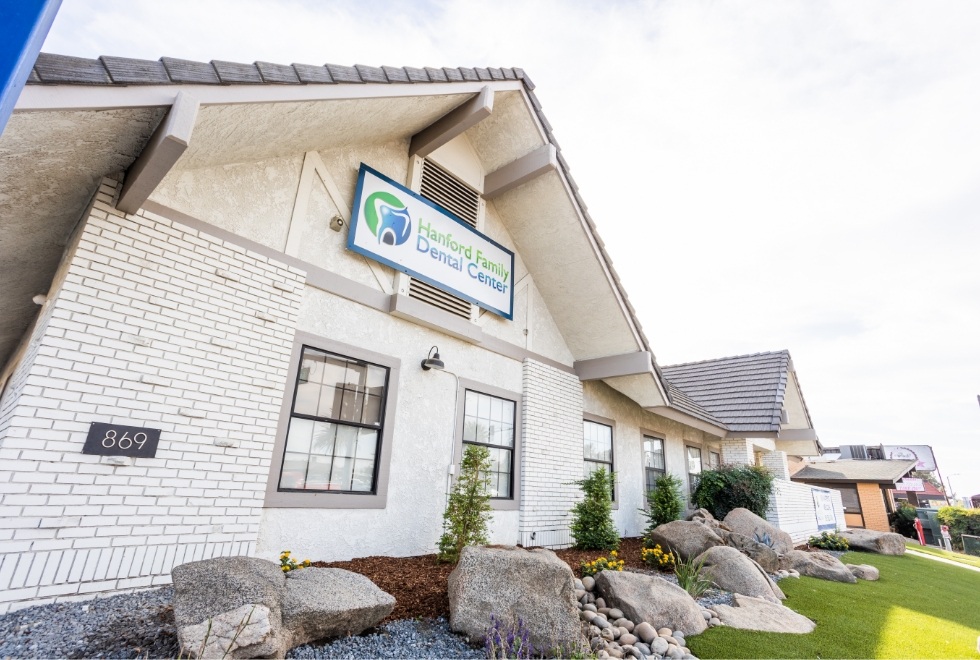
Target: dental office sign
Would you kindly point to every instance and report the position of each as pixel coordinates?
(397, 227)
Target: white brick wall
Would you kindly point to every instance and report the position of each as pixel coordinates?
(552, 454)
(791, 508)
(776, 463)
(737, 451)
(155, 325)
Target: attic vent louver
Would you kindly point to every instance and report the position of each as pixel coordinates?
(447, 191)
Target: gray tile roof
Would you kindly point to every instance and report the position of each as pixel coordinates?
(745, 392)
(879, 471)
(684, 403)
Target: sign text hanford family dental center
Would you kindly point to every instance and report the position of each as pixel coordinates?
(397, 227)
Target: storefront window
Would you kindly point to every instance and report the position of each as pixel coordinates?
(598, 449)
(335, 426)
(654, 465)
(489, 421)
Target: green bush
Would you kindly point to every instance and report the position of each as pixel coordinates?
(664, 503)
(732, 487)
(829, 541)
(902, 520)
(592, 525)
(468, 512)
(960, 521)
(690, 576)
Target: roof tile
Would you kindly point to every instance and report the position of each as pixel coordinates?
(396, 74)
(416, 75)
(469, 74)
(66, 69)
(236, 72)
(188, 71)
(483, 74)
(371, 74)
(452, 75)
(312, 74)
(344, 74)
(436, 75)
(128, 71)
(277, 73)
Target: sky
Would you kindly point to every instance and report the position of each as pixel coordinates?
(765, 175)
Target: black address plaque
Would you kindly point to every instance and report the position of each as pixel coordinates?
(117, 440)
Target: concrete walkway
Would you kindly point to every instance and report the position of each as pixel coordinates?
(910, 551)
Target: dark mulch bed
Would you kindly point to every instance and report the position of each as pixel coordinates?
(420, 584)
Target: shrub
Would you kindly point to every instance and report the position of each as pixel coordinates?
(664, 502)
(507, 640)
(468, 512)
(828, 541)
(287, 563)
(902, 520)
(592, 525)
(612, 563)
(960, 521)
(656, 558)
(732, 487)
(690, 577)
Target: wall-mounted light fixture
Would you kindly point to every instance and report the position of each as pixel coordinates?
(433, 361)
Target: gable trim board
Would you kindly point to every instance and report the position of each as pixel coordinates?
(176, 318)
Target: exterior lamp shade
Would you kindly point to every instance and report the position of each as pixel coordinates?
(433, 361)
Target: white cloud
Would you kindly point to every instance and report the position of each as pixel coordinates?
(766, 175)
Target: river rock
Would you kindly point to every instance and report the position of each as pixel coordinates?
(816, 564)
(763, 615)
(659, 645)
(746, 523)
(732, 571)
(646, 632)
(883, 543)
(648, 598)
(588, 583)
(687, 539)
(864, 571)
(513, 583)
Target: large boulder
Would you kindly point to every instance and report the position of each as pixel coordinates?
(759, 614)
(704, 517)
(816, 564)
(884, 543)
(331, 602)
(226, 590)
(732, 571)
(242, 607)
(761, 553)
(746, 523)
(864, 571)
(511, 583)
(652, 599)
(687, 538)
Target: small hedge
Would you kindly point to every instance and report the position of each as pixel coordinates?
(732, 487)
(592, 524)
(960, 521)
(902, 520)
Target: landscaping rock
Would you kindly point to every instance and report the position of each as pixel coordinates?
(732, 571)
(687, 539)
(761, 553)
(512, 583)
(758, 614)
(816, 564)
(864, 571)
(226, 635)
(225, 590)
(330, 602)
(883, 543)
(659, 646)
(647, 598)
(746, 523)
(588, 582)
(646, 632)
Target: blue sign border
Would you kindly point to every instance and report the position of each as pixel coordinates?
(355, 222)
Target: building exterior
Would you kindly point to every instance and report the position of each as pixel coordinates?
(866, 487)
(195, 363)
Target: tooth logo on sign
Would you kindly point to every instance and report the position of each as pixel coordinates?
(387, 218)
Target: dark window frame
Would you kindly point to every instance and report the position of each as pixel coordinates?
(512, 448)
(602, 421)
(647, 437)
(692, 476)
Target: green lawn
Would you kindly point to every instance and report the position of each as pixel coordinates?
(920, 608)
(952, 556)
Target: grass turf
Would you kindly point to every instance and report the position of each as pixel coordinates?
(959, 557)
(918, 609)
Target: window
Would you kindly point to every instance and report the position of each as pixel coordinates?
(714, 460)
(654, 465)
(693, 467)
(335, 425)
(849, 498)
(598, 449)
(489, 421)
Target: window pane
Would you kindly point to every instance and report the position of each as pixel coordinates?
(694, 460)
(300, 435)
(509, 411)
(363, 476)
(469, 429)
(483, 406)
(496, 409)
(507, 434)
(372, 410)
(342, 473)
(334, 371)
(367, 443)
(318, 477)
(293, 471)
(346, 441)
(376, 379)
(307, 397)
(353, 403)
(324, 435)
(330, 402)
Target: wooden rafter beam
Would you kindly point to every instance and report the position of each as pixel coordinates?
(455, 123)
(518, 172)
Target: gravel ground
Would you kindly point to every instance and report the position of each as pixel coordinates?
(141, 625)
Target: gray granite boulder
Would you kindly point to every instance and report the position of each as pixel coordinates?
(760, 614)
(883, 543)
(816, 564)
(331, 602)
(651, 599)
(512, 583)
(732, 571)
(746, 523)
(864, 571)
(687, 538)
(760, 553)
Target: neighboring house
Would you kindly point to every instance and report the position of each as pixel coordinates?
(177, 276)
(929, 496)
(865, 486)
